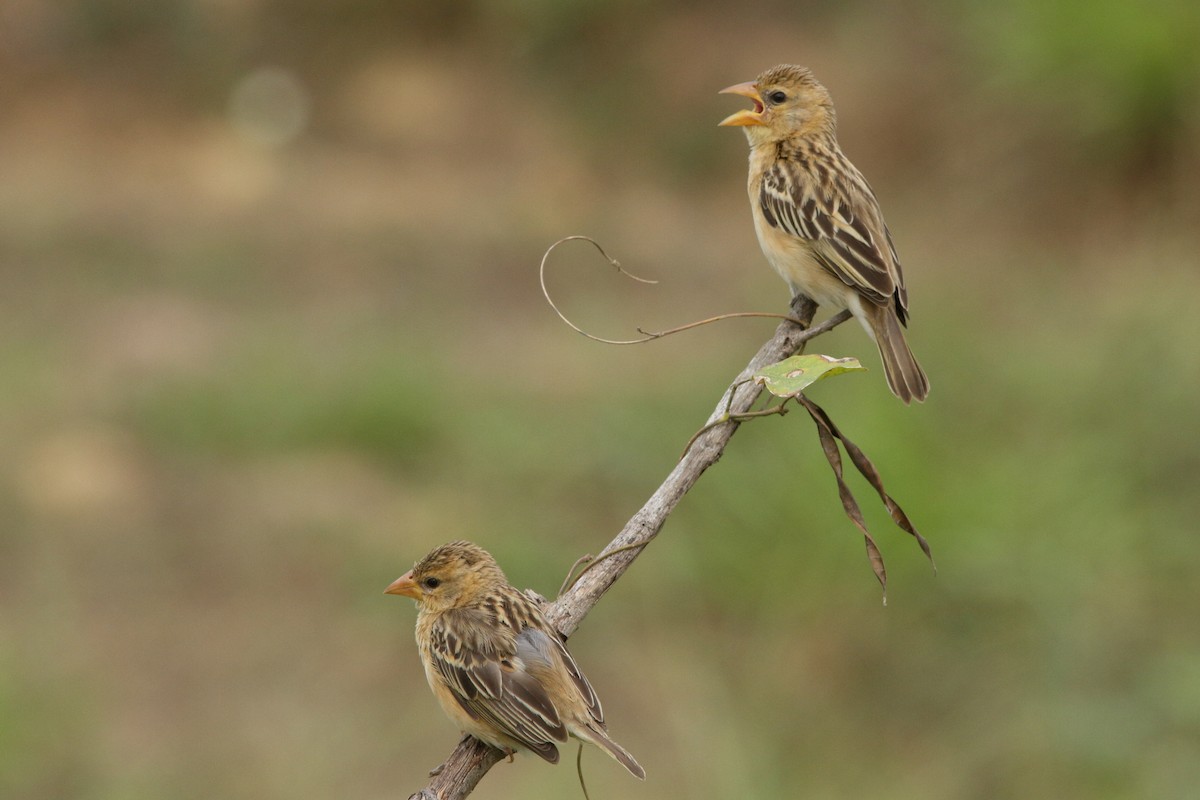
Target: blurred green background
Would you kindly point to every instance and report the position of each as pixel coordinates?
(270, 329)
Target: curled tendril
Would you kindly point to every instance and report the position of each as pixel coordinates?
(613, 262)
(647, 336)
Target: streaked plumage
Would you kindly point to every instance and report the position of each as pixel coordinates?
(498, 668)
(818, 221)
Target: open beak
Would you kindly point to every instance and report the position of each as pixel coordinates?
(745, 116)
(404, 585)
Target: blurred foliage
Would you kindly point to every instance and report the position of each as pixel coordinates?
(1130, 72)
(269, 404)
(246, 380)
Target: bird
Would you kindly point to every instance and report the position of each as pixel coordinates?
(499, 669)
(817, 219)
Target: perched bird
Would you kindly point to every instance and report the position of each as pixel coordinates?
(496, 665)
(817, 219)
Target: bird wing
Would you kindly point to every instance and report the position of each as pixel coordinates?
(488, 672)
(840, 218)
(583, 686)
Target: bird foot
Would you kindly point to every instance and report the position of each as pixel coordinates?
(802, 305)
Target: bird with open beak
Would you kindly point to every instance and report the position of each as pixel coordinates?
(817, 219)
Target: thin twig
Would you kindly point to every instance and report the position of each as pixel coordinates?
(778, 410)
(652, 335)
(647, 336)
(579, 771)
(591, 562)
(567, 581)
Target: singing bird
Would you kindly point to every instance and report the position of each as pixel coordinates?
(818, 221)
(498, 668)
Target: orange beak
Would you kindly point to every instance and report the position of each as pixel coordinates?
(746, 116)
(405, 586)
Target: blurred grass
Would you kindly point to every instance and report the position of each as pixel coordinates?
(245, 385)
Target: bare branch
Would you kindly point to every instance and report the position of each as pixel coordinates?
(569, 610)
(457, 777)
(459, 774)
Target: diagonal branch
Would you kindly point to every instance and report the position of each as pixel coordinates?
(471, 759)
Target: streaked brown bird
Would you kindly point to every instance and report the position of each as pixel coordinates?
(498, 668)
(817, 219)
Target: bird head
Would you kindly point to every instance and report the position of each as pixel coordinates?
(788, 101)
(451, 576)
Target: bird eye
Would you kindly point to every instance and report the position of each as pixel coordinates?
(776, 97)
(431, 583)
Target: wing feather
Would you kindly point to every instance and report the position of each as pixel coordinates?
(491, 681)
(544, 643)
(841, 220)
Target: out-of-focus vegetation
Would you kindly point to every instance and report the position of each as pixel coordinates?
(271, 329)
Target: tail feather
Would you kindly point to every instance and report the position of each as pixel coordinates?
(904, 375)
(601, 739)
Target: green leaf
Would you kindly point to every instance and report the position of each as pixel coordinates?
(793, 375)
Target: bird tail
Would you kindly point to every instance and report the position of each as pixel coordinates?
(599, 737)
(905, 377)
